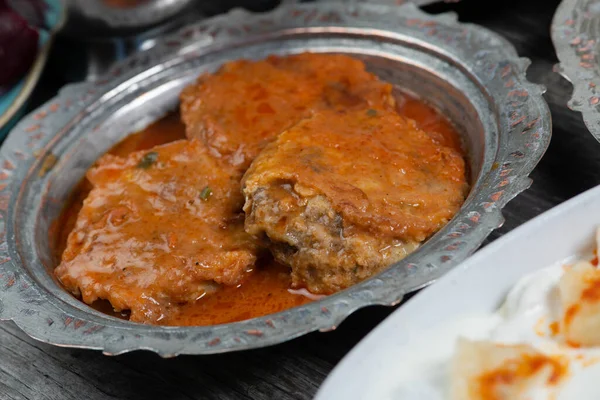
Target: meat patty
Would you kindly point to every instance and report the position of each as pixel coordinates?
(159, 228)
(246, 104)
(343, 194)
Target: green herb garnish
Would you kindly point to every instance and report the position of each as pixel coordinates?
(371, 112)
(148, 160)
(205, 193)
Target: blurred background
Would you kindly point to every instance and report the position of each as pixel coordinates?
(45, 44)
(99, 32)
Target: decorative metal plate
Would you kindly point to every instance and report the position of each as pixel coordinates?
(471, 74)
(576, 37)
(137, 16)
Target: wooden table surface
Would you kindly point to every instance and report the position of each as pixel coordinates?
(294, 370)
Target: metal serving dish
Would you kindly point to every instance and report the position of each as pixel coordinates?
(576, 37)
(472, 75)
(99, 19)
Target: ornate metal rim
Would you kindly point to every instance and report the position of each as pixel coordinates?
(576, 35)
(524, 130)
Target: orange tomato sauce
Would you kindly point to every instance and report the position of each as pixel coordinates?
(266, 291)
(513, 371)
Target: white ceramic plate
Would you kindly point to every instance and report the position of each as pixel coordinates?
(478, 286)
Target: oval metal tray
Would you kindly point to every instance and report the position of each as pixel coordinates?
(576, 36)
(472, 75)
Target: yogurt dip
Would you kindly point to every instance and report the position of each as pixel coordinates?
(531, 315)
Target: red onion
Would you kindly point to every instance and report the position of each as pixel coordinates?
(18, 46)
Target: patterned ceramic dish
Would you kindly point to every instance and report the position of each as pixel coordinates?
(469, 73)
(576, 37)
(14, 100)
